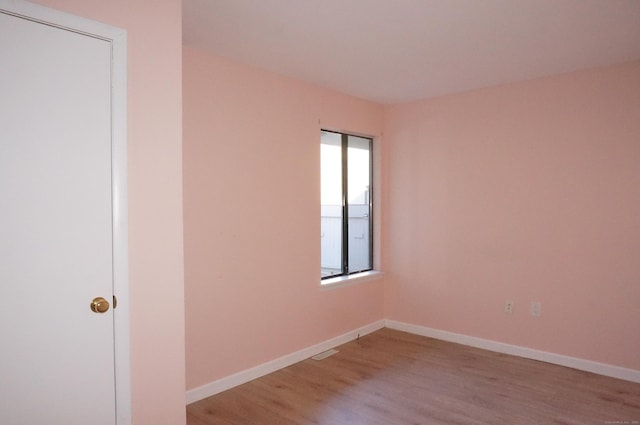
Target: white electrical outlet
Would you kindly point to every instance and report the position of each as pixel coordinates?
(508, 306)
(536, 309)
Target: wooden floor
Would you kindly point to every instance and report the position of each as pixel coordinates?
(395, 378)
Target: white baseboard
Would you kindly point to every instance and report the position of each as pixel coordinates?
(244, 376)
(529, 353)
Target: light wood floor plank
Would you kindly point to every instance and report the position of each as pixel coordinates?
(392, 377)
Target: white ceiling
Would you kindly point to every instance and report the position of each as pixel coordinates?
(393, 51)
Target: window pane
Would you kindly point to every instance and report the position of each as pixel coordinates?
(331, 203)
(359, 192)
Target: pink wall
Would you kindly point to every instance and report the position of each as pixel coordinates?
(527, 192)
(155, 204)
(251, 217)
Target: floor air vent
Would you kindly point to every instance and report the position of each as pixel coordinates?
(324, 354)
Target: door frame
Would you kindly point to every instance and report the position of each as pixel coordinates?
(117, 37)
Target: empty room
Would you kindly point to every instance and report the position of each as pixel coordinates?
(320, 212)
(505, 211)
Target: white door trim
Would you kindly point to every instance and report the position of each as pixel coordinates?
(118, 39)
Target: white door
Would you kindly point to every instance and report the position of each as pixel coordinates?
(56, 227)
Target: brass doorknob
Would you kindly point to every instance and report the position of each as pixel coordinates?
(99, 305)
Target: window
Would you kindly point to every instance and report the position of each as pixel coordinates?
(346, 205)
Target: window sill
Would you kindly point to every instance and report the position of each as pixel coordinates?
(340, 281)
